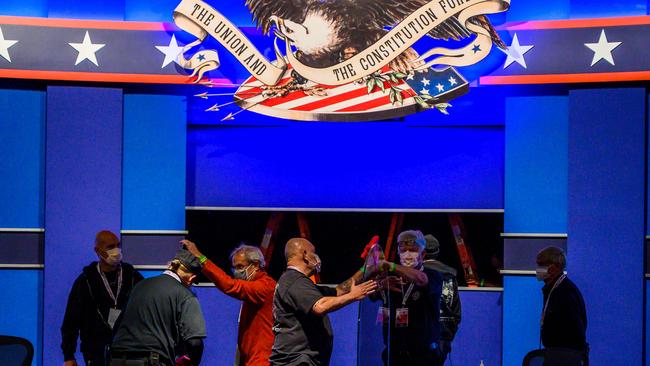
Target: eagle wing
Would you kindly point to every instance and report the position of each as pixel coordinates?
(390, 12)
(262, 10)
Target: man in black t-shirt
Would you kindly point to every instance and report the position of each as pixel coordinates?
(411, 306)
(162, 316)
(303, 334)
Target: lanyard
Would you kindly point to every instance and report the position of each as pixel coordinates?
(108, 287)
(407, 294)
(548, 299)
(408, 291)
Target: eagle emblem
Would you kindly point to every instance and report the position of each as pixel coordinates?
(349, 60)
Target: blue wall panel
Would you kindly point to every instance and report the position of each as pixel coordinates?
(522, 308)
(536, 164)
(221, 313)
(161, 11)
(373, 165)
(22, 307)
(82, 191)
(604, 8)
(647, 323)
(479, 335)
(88, 9)
(149, 11)
(345, 323)
(154, 162)
(22, 142)
(24, 8)
(535, 10)
(606, 223)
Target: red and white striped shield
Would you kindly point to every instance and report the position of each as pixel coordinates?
(355, 101)
(346, 103)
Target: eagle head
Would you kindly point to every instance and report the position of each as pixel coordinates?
(317, 35)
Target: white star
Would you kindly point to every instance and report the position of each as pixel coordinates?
(516, 52)
(452, 81)
(424, 91)
(87, 50)
(409, 77)
(4, 46)
(603, 49)
(425, 81)
(171, 52)
(440, 87)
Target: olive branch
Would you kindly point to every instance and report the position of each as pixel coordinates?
(425, 101)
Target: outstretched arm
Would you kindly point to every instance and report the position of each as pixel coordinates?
(328, 304)
(344, 287)
(253, 291)
(407, 273)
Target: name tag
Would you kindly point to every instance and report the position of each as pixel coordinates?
(402, 318)
(113, 314)
(382, 315)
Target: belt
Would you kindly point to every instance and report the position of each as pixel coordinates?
(152, 358)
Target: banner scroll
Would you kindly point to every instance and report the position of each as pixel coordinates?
(200, 19)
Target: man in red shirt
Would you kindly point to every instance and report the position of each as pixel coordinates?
(255, 288)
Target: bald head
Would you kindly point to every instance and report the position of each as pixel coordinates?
(106, 238)
(107, 247)
(296, 247)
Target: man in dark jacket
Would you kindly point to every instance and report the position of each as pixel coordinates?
(97, 298)
(564, 318)
(162, 324)
(450, 309)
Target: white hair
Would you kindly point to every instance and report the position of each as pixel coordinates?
(252, 254)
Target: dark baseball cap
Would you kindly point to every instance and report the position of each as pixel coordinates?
(188, 260)
(432, 247)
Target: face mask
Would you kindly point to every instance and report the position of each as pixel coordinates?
(242, 274)
(113, 256)
(316, 264)
(409, 259)
(541, 273)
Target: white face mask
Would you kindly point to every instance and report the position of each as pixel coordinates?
(409, 259)
(541, 273)
(113, 256)
(317, 263)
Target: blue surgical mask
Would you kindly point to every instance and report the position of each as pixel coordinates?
(242, 274)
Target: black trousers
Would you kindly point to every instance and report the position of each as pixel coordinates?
(95, 359)
(444, 348)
